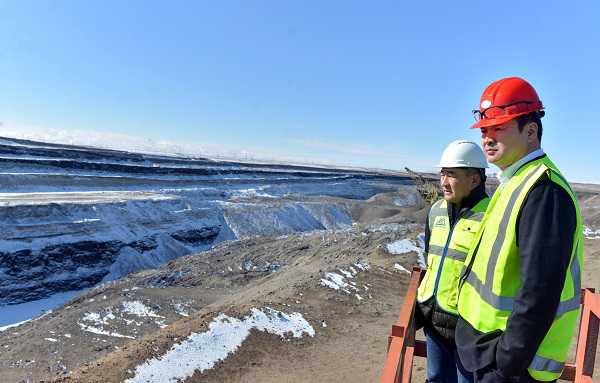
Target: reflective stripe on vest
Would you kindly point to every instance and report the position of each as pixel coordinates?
(487, 309)
(450, 253)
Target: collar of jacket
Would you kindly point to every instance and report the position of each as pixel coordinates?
(510, 171)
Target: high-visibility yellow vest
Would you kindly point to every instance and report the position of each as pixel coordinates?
(488, 290)
(448, 248)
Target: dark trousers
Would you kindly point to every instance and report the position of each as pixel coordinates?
(443, 364)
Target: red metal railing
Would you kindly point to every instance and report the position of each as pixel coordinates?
(403, 347)
(588, 338)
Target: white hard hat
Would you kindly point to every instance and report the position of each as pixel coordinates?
(463, 154)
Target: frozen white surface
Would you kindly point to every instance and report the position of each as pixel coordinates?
(362, 265)
(181, 309)
(338, 282)
(589, 233)
(137, 308)
(250, 219)
(15, 315)
(402, 246)
(201, 351)
(346, 273)
(399, 267)
(252, 192)
(101, 331)
(409, 199)
(330, 284)
(98, 319)
(3, 328)
(96, 322)
(145, 210)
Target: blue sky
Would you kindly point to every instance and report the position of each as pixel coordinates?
(377, 84)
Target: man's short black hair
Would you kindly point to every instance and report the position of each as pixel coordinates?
(532, 117)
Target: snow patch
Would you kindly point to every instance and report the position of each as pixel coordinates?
(408, 200)
(96, 322)
(181, 309)
(85, 220)
(338, 282)
(331, 285)
(589, 233)
(16, 315)
(137, 308)
(160, 323)
(201, 351)
(130, 321)
(100, 331)
(404, 246)
(347, 274)
(98, 319)
(362, 265)
(251, 192)
(3, 328)
(398, 266)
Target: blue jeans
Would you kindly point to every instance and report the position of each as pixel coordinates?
(443, 363)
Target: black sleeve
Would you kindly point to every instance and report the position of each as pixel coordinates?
(427, 232)
(426, 240)
(420, 317)
(545, 228)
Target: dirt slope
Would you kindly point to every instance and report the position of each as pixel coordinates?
(281, 273)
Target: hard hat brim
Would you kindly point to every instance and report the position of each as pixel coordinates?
(487, 122)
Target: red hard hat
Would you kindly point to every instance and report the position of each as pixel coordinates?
(504, 100)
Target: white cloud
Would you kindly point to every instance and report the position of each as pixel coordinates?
(116, 141)
(107, 140)
(326, 154)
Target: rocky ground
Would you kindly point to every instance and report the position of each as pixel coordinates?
(105, 334)
(340, 291)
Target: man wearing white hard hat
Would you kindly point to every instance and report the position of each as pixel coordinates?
(452, 223)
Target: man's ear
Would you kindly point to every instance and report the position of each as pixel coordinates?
(475, 180)
(532, 129)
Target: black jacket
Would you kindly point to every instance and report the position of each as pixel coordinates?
(429, 314)
(545, 228)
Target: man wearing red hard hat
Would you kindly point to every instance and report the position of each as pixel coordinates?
(519, 292)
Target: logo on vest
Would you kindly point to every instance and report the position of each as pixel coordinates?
(439, 222)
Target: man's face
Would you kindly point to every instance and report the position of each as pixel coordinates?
(504, 144)
(456, 183)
